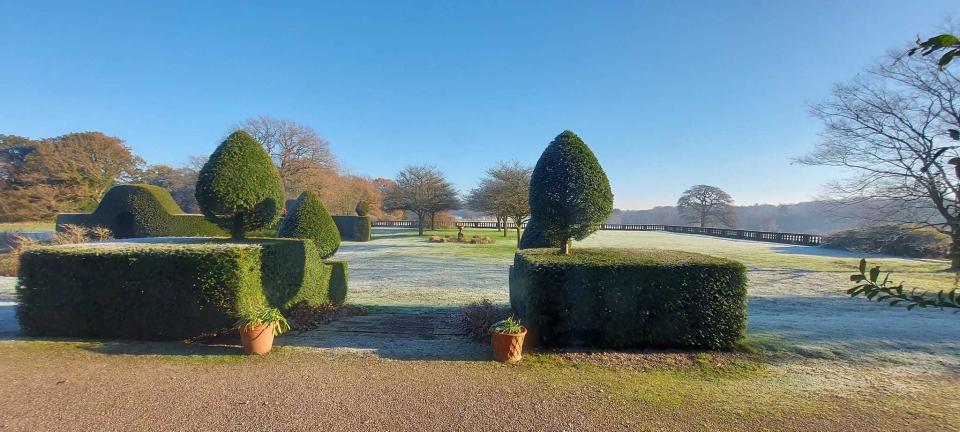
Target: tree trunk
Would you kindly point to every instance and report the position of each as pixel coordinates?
(433, 219)
(236, 231)
(565, 247)
(420, 223)
(504, 226)
(955, 250)
(518, 235)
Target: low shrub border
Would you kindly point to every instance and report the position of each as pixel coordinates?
(622, 298)
(168, 288)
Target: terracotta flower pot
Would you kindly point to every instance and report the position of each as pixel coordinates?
(508, 348)
(257, 340)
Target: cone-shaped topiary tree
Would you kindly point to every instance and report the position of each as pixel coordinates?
(363, 208)
(570, 195)
(309, 219)
(239, 188)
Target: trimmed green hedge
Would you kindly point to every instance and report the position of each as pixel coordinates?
(353, 228)
(167, 288)
(142, 211)
(621, 298)
(308, 219)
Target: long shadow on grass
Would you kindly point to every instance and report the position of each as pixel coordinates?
(396, 332)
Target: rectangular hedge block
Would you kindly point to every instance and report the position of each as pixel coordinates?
(353, 228)
(167, 288)
(621, 298)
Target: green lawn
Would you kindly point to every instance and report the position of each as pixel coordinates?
(26, 226)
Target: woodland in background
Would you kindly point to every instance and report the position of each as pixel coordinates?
(42, 177)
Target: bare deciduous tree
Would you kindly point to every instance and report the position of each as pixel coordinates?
(707, 205)
(504, 193)
(891, 127)
(298, 152)
(423, 191)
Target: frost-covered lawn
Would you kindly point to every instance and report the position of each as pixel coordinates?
(796, 301)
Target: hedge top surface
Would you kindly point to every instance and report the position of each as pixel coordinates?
(603, 257)
(570, 194)
(159, 244)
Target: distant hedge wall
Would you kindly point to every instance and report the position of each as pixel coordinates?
(622, 298)
(901, 240)
(353, 228)
(167, 288)
(142, 211)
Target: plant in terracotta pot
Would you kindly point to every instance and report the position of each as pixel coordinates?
(258, 327)
(507, 339)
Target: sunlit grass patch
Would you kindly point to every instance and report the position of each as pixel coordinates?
(27, 226)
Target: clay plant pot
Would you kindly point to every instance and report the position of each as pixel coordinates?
(257, 340)
(508, 348)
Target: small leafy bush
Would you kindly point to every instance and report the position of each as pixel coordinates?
(308, 219)
(477, 317)
(507, 326)
(622, 298)
(264, 315)
(900, 240)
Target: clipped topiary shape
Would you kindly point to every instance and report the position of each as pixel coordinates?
(363, 208)
(533, 237)
(239, 188)
(570, 194)
(139, 210)
(309, 219)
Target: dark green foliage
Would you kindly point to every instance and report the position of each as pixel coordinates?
(363, 208)
(533, 237)
(308, 219)
(239, 188)
(142, 211)
(353, 228)
(870, 286)
(901, 240)
(629, 298)
(570, 195)
(169, 288)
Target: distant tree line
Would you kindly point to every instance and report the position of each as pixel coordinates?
(40, 178)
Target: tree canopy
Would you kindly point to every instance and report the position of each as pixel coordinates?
(421, 190)
(706, 205)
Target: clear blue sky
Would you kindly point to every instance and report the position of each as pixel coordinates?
(668, 94)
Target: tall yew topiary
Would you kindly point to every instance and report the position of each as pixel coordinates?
(309, 219)
(239, 188)
(570, 195)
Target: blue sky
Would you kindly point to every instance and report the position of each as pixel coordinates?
(667, 94)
